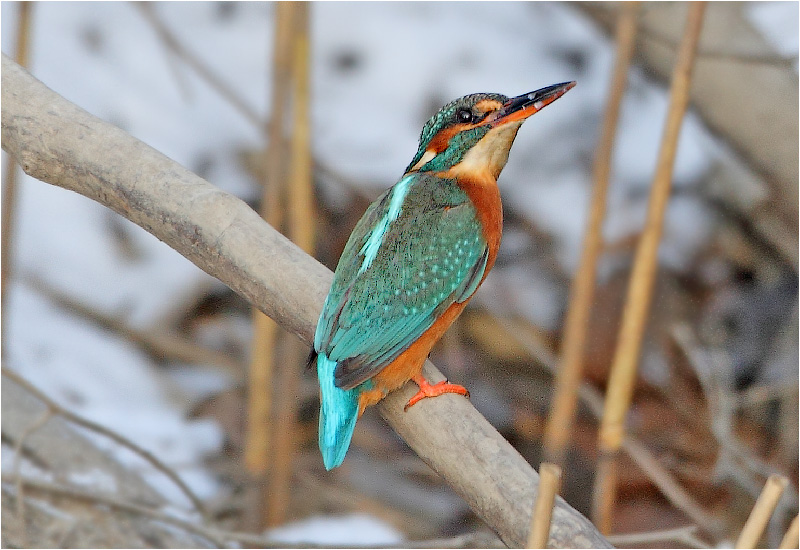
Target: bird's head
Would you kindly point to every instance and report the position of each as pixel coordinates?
(473, 134)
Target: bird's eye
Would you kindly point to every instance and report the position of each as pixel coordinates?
(464, 115)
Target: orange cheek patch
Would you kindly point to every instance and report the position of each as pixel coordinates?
(440, 140)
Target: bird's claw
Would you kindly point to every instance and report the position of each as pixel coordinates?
(426, 389)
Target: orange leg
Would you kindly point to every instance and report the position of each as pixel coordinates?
(426, 389)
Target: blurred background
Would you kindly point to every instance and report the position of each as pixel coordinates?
(115, 326)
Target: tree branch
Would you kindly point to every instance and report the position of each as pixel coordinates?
(60, 143)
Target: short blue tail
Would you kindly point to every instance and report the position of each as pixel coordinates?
(337, 414)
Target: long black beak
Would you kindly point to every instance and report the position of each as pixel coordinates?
(523, 106)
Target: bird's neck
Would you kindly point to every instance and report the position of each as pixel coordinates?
(487, 158)
(477, 174)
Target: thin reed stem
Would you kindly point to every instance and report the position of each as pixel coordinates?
(265, 330)
(301, 232)
(196, 63)
(762, 511)
(8, 208)
(637, 305)
(570, 369)
(790, 539)
(549, 486)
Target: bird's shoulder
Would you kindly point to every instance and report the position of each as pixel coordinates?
(407, 224)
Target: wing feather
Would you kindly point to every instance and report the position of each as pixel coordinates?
(431, 254)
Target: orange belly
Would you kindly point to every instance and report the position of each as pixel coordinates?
(409, 363)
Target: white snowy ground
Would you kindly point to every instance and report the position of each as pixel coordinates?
(401, 61)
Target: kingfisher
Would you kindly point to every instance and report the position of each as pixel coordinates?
(414, 260)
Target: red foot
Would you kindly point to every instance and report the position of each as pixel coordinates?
(426, 389)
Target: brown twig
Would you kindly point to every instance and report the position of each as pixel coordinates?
(756, 396)
(570, 369)
(761, 512)
(161, 345)
(57, 409)
(35, 425)
(669, 486)
(343, 496)
(787, 62)
(65, 535)
(222, 538)
(549, 487)
(118, 504)
(169, 39)
(634, 319)
(734, 460)
(8, 206)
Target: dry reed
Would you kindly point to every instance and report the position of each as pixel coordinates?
(570, 369)
(762, 511)
(634, 319)
(301, 232)
(549, 486)
(8, 206)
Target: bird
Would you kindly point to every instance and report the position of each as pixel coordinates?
(414, 260)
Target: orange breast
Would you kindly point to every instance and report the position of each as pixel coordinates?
(485, 195)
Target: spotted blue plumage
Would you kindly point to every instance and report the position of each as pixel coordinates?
(417, 250)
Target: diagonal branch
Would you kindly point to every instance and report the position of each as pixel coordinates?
(59, 143)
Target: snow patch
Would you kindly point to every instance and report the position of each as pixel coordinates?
(345, 530)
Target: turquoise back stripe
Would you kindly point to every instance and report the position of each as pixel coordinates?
(373, 243)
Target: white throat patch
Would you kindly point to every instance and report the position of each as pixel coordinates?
(491, 152)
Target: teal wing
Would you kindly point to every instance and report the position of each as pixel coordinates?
(417, 250)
